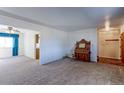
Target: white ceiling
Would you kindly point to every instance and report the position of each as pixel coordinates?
(66, 19)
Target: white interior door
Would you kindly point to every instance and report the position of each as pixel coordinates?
(109, 48)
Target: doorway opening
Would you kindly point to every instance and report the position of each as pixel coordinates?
(37, 47)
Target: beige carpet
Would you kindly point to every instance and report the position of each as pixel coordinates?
(25, 71)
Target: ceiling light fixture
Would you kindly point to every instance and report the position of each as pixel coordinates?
(12, 30)
(9, 29)
(107, 24)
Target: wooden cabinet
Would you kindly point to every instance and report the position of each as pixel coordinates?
(82, 51)
(37, 53)
(122, 47)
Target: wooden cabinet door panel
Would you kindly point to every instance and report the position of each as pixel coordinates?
(122, 47)
(37, 53)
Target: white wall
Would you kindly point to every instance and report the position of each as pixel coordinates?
(88, 34)
(53, 45)
(21, 44)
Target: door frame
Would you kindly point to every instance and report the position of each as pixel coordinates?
(37, 40)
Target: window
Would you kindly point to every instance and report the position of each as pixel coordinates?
(6, 42)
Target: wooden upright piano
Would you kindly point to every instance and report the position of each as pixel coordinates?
(82, 51)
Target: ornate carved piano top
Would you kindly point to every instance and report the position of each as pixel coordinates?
(83, 44)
